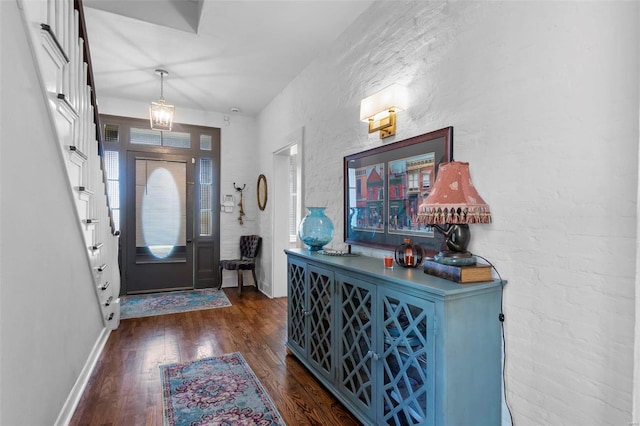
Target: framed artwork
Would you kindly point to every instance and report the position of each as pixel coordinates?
(385, 186)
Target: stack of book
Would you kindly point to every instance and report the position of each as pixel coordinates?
(460, 274)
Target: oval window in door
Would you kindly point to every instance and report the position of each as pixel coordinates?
(161, 213)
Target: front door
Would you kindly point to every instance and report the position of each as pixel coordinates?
(160, 211)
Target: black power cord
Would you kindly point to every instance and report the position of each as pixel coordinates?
(504, 345)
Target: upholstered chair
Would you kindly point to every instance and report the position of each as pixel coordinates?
(249, 248)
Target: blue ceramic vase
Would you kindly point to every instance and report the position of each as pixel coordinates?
(316, 229)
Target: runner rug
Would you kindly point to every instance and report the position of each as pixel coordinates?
(215, 391)
(148, 305)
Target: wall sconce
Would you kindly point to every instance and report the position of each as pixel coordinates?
(380, 109)
(161, 114)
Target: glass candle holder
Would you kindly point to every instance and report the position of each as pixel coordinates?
(408, 254)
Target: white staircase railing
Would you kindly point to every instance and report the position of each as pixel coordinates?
(62, 55)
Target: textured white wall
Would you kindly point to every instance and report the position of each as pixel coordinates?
(543, 97)
(238, 163)
(636, 377)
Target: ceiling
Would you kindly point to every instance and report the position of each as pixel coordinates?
(219, 54)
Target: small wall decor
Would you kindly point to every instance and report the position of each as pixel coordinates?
(240, 206)
(262, 193)
(227, 204)
(385, 187)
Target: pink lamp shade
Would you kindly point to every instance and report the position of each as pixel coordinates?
(453, 198)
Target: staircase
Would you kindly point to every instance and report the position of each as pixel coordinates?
(59, 42)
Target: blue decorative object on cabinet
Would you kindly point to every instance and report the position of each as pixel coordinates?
(316, 229)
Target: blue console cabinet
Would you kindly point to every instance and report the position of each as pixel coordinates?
(397, 346)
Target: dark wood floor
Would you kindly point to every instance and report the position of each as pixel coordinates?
(124, 388)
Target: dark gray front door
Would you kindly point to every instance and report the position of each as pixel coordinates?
(160, 211)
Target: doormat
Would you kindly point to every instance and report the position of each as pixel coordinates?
(173, 302)
(220, 390)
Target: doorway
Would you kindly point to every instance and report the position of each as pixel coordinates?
(163, 190)
(288, 199)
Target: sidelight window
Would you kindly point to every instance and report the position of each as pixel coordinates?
(112, 170)
(206, 195)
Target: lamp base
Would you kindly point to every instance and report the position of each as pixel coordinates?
(455, 258)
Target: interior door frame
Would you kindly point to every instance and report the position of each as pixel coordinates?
(206, 248)
(280, 217)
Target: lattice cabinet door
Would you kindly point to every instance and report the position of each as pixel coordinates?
(297, 306)
(356, 342)
(407, 380)
(320, 353)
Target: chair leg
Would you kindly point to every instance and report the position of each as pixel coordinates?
(255, 280)
(220, 276)
(239, 281)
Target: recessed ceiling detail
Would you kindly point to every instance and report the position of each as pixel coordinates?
(220, 53)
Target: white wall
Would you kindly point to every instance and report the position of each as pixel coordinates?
(543, 97)
(49, 318)
(239, 164)
(636, 376)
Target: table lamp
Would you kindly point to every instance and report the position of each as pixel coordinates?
(454, 201)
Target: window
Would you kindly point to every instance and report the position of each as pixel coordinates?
(426, 180)
(176, 139)
(145, 137)
(413, 181)
(111, 133)
(154, 137)
(293, 194)
(160, 199)
(111, 162)
(206, 142)
(206, 192)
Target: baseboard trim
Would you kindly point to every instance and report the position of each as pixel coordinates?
(69, 407)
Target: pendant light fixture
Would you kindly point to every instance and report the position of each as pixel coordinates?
(161, 114)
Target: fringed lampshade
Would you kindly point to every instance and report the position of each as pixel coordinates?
(454, 201)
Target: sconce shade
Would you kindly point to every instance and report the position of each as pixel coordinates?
(453, 198)
(161, 114)
(380, 109)
(377, 106)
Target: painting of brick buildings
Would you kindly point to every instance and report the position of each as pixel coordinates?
(368, 214)
(384, 188)
(410, 181)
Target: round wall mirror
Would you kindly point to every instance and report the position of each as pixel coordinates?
(262, 192)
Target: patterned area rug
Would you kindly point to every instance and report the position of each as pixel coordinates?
(148, 305)
(215, 391)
